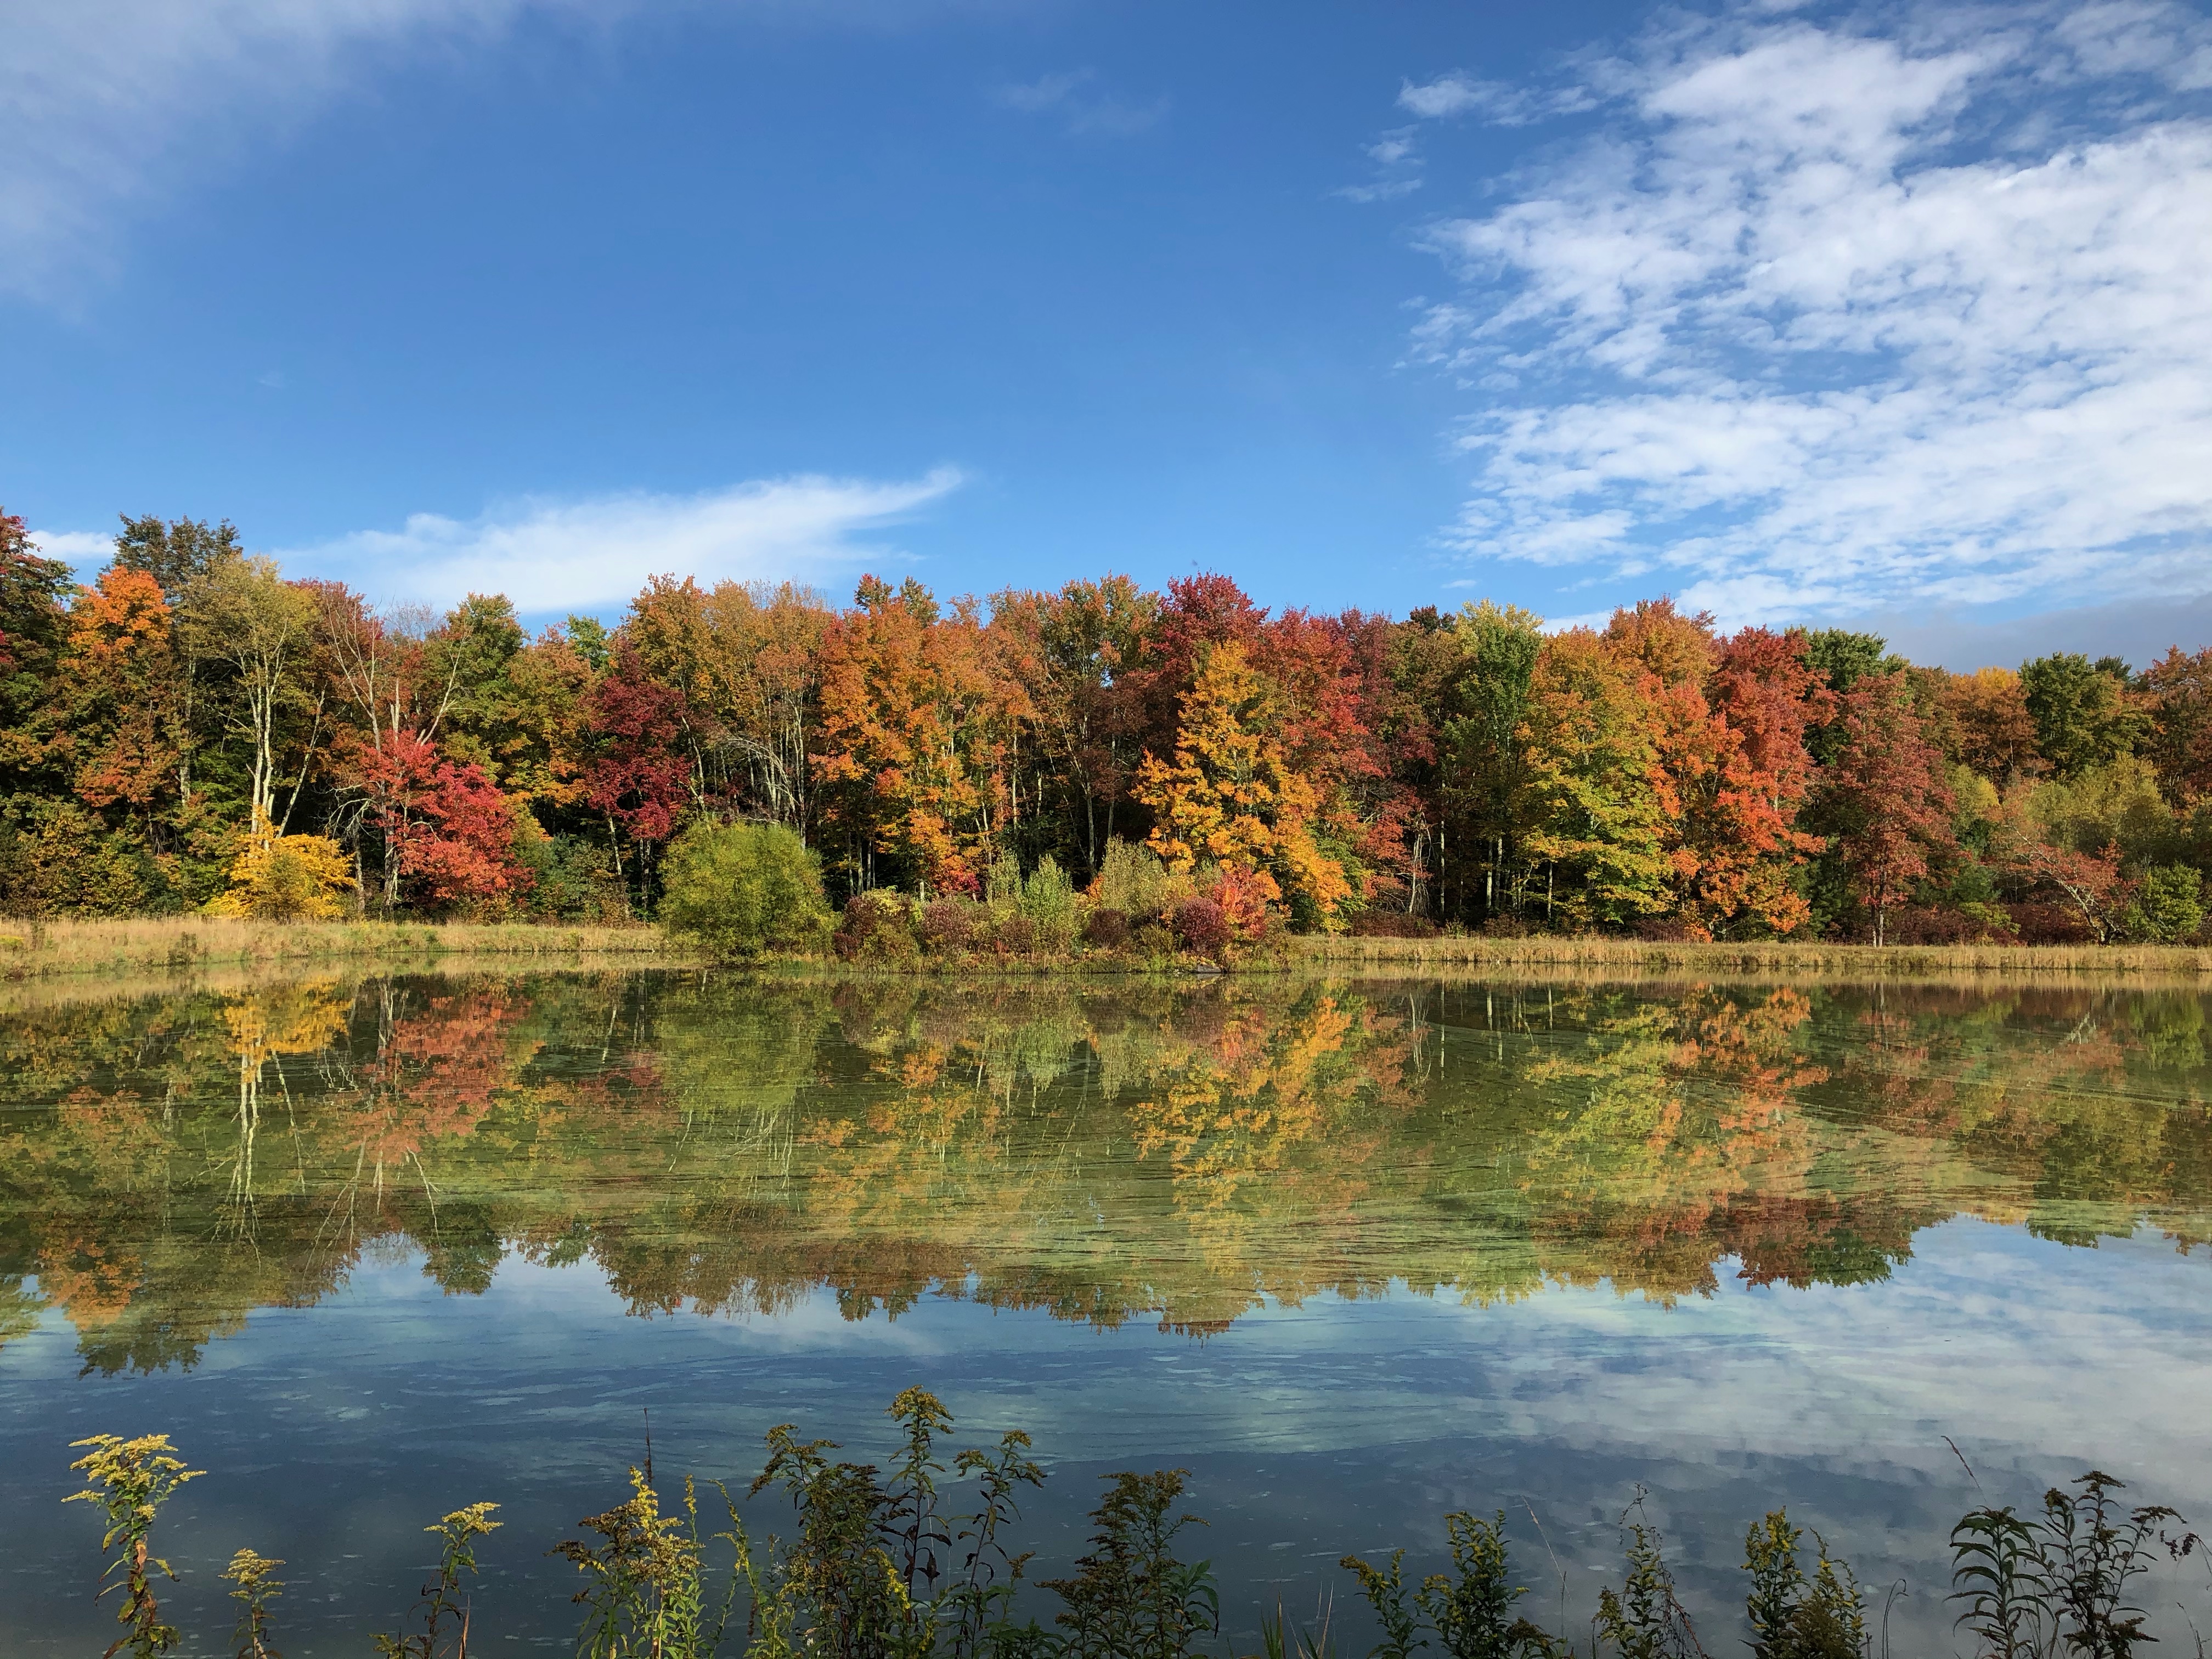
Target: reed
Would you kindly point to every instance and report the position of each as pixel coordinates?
(32, 949)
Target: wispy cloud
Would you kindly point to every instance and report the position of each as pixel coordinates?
(1397, 162)
(1497, 102)
(1903, 309)
(1075, 97)
(108, 103)
(588, 555)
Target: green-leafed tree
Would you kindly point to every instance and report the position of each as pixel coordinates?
(2082, 712)
(1484, 752)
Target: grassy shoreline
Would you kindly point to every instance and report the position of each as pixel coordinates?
(1770, 958)
(72, 947)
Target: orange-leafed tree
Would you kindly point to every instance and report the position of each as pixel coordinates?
(1767, 696)
(118, 675)
(1994, 734)
(1229, 796)
(920, 738)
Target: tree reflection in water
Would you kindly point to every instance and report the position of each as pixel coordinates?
(169, 1163)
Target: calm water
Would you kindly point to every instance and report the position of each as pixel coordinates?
(1353, 1254)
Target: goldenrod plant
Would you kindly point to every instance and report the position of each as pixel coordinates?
(131, 1479)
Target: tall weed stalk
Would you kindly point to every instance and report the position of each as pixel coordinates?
(2056, 1586)
(131, 1479)
(443, 1605)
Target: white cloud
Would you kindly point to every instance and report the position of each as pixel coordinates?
(588, 555)
(1383, 189)
(85, 550)
(1074, 97)
(1498, 102)
(1845, 316)
(106, 103)
(1397, 158)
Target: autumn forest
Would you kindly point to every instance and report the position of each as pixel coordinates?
(1354, 772)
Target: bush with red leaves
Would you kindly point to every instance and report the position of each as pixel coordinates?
(1203, 926)
(946, 927)
(2050, 924)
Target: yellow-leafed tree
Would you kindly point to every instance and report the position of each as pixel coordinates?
(280, 877)
(1230, 798)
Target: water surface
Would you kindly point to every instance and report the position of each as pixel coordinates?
(1352, 1253)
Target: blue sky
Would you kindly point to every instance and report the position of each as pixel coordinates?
(1830, 313)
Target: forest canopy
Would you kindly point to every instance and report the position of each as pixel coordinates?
(191, 713)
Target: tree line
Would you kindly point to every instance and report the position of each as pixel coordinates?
(189, 708)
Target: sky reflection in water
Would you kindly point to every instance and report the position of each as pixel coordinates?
(1355, 1254)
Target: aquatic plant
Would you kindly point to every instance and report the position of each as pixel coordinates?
(1280, 1640)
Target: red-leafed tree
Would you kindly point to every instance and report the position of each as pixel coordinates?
(448, 834)
(1767, 696)
(2177, 692)
(1884, 797)
(1731, 716)
(640, 778)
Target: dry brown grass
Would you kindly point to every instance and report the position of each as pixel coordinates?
(1772, 958)
(40, 950)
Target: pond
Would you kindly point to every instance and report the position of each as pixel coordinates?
(1353, 1254)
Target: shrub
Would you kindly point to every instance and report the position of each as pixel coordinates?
(281, 877)
(1953, 924)
(1108, 928)
(1002, 882)
(2049, 924)
(1242, 895)
(1202, 926)
(741, 888)
(1392, 924)
(2170, 906)
(947, 926)
(1015, 935)
(1667, 930)
(574, 878)
(1132, 881)
(878, 928)
(1048, 904)
(64, 861)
